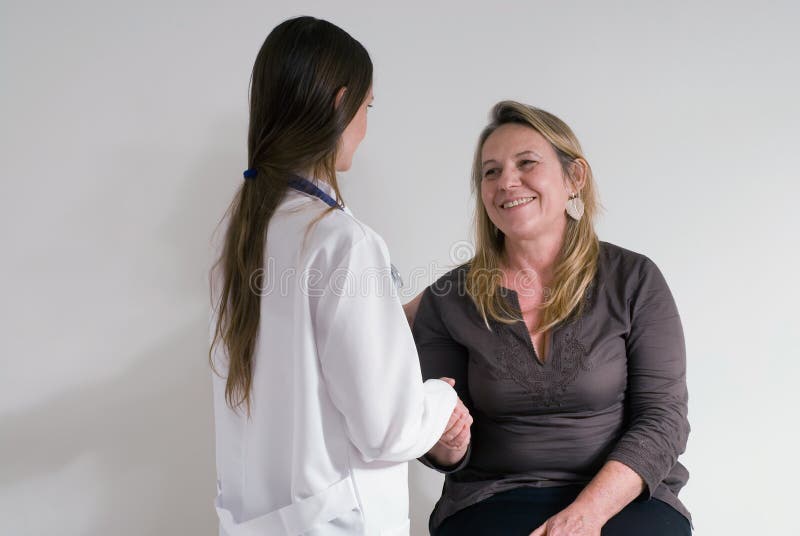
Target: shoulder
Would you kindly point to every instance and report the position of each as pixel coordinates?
(447, 296)
(336, 237)
(441, 303)
(629, 275)
(451, 283)
(337, 227)
(616, 261)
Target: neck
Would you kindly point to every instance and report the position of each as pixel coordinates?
(308, 174)
(537, 255)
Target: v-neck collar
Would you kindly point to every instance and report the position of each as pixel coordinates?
(520, 324)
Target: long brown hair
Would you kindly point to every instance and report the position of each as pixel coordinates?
(577, 263)
(295, 127)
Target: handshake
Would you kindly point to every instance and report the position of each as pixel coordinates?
(452, 446)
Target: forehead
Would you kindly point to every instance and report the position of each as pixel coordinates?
(513, 138)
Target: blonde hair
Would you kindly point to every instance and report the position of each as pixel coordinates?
(576, 265)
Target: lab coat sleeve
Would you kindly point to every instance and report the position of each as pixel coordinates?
(369, 361)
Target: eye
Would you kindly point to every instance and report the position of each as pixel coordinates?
(490, 173)
(527, 164)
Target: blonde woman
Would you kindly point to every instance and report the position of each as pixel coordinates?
(568, 352)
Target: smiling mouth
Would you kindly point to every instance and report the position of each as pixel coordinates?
(517, 202)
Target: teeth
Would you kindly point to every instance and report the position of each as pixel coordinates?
(511, 204)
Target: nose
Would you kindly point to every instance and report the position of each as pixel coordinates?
(509, 178)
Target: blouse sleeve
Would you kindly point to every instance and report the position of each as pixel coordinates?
(440, 356)
(656, 396)
(369, 362)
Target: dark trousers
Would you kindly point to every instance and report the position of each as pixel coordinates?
(520, 511)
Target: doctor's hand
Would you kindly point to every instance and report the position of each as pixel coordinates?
(452, 446)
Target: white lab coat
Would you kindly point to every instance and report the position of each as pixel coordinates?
(338, 403)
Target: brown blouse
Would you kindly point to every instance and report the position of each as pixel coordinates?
(613, 386)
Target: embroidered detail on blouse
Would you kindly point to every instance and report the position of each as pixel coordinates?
(547, 382)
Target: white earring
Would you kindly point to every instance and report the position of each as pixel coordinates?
(575, 207)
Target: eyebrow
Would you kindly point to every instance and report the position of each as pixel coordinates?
(534, 153)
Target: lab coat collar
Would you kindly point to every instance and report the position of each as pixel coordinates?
(328, 189)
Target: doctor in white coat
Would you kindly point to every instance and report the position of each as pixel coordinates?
(319, 401)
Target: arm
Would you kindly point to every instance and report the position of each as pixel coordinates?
(656, 399)
(369, 363)
(411, 307)
(656, 395)
(440, 356)
(611, 490)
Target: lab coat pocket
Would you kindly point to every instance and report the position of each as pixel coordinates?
(297, 518)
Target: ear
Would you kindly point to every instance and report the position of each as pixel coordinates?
(339, 96)
(577, 174)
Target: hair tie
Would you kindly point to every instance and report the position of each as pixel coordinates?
(250, 173)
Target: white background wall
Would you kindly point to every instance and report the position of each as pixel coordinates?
(122, 139)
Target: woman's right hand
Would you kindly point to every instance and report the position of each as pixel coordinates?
(453, 444)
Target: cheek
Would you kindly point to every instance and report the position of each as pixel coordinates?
(487, 196)
(362, 124)
(355, 131)
(362, 132)
(557, 198)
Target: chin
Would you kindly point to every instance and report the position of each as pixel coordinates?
(343, 166)
(518, 234)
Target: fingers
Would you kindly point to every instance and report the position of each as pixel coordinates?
(541, 531)
(458, 412)
(449, 437)
(453, 421)
(458, 435)
(457, 432)
(449, 381)
(462, 439)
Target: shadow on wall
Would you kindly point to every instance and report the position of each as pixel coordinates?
(424, 487)
(148, 432)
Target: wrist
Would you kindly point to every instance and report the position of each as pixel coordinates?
(592, 508)
(445, 456)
